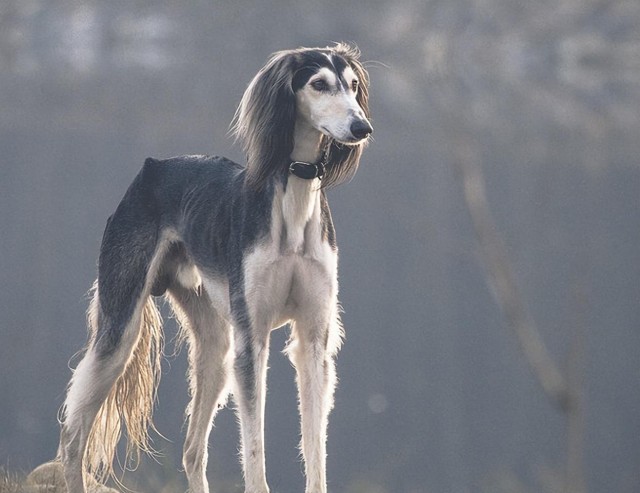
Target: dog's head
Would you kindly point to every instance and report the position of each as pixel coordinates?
(331, 92)
(328, 88)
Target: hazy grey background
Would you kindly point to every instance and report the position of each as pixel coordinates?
(434, 394)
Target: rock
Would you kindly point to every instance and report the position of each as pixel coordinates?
(49, 478)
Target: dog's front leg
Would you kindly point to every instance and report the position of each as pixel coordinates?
(250, 369)
(312, 349)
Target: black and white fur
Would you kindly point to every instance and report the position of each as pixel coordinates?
(238, 251)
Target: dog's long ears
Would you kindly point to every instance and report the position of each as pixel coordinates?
(265, 120)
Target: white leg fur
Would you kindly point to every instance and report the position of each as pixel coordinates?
(81, 406)
(210, 374)
(311, 351)
(88, 389)
(251, 414)
(209, 360)
(90, 385)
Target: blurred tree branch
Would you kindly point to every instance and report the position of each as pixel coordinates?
(564, 391)
(502, 281)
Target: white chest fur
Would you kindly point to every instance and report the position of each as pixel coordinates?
(295, 267)
(299, 202)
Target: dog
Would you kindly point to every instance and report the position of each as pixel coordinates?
(238, 250)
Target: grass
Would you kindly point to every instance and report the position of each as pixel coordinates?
(12, 482)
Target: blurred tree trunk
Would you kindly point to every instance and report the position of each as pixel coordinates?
(565, 391)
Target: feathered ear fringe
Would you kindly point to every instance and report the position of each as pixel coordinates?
(342, 162)
(342, 159)
(265, 120)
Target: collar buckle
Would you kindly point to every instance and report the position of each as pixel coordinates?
(306, 171)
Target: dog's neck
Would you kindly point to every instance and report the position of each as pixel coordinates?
(307, 143)
(300, 200)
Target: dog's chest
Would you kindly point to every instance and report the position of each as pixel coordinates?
(294, 266)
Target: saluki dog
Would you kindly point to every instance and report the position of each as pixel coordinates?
(238, 251)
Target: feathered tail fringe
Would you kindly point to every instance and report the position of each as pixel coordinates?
(130, 402)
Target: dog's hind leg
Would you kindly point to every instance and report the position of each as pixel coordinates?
(116, 380)
(90, 385)
(87, 391)
(208, 336)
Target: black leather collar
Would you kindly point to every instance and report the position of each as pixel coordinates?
(307, 171)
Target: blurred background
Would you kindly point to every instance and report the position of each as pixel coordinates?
(435, 393)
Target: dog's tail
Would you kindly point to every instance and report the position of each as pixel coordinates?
(130, 401)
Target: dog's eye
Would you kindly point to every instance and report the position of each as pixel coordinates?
(320, 85)
(354, 85)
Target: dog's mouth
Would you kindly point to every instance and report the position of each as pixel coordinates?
(353, 141)
(350, 139)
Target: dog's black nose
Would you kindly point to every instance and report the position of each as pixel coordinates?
(360, 129)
